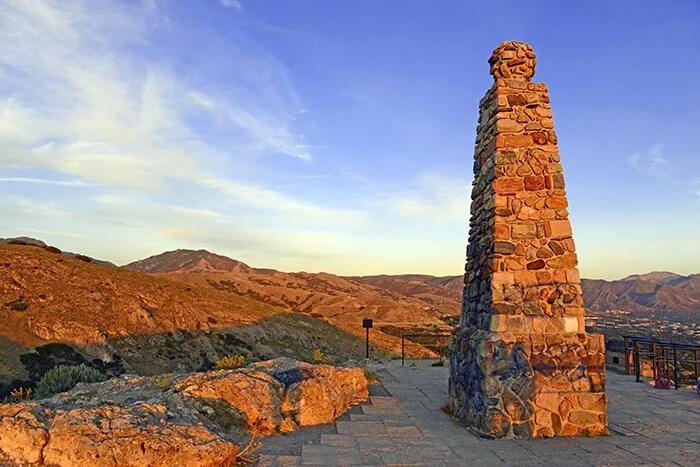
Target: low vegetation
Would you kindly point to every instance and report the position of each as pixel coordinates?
(247, 455)
(19, 394)
(319, 358)
(372, 377)
(230, 362)
(163, 381)
(64, 377)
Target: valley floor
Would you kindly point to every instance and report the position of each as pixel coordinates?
(406, 426)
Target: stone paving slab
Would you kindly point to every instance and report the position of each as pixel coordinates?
(648, 426)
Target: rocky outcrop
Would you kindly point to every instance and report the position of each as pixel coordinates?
(196, 419)
(277, 395)
(316, 394)
(106, 435)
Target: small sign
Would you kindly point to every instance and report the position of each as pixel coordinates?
(367, 323)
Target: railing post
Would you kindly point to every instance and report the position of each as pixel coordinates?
(627, 356)
(637, 363)
(403, 352)
(653, 360)
(697, 367)
(675, 366)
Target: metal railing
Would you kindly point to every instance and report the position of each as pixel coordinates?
(668, 359)
(436, 342)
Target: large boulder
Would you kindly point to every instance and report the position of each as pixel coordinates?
(277, 395)
(254, 396)
(316, 394)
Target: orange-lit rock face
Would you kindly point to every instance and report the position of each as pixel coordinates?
(521, 354)
(175, 420)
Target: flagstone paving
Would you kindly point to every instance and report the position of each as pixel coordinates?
(406, 426)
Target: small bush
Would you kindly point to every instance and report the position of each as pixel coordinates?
(18, 305)
(319, 358)
(87, 259)
(229, 362)
(63, 378)
(52, 249)
(372, 377)
(163, 381)
(19, 394)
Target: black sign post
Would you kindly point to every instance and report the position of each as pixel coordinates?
(367, 323)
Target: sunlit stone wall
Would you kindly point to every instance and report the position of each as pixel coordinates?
(521, 361)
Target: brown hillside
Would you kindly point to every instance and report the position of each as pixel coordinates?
(72, 301)
(58, 309)
(342, 302)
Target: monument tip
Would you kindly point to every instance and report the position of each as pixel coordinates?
(513, 59)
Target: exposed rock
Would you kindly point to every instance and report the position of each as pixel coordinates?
(195, 419)
(256, 395)
(322, 393)
(106, 435)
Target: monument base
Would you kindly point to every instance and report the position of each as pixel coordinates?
(528, 384)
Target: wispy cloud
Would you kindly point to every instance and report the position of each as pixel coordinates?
(74, 99)
(652, 162)
(20, 209)
(236, 4)
(42, 181)
(432, 197)
(89, 98)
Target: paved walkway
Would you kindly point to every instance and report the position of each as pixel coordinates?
(407, 427)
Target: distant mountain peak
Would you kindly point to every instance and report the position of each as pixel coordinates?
(183, 260)
(659, 277)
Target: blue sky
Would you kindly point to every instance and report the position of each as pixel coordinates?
(325, 135)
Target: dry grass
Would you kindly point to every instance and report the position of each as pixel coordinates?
(319, 358)
(230, 362)
(20, 394)
(247, 455)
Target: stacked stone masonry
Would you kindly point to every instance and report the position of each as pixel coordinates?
(521, 361)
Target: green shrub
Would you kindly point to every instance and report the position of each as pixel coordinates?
(63, 378)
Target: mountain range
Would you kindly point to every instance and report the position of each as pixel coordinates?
(183, 309)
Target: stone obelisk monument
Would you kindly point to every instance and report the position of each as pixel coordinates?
(521, 362)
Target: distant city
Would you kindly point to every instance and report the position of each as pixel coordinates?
(671, 326)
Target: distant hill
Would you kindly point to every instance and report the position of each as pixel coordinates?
(27, 240)
(187, 261)
(39, 243)
(660, 291)
(660, 277)
(340, 301)
(427, 288)
(58, 309)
